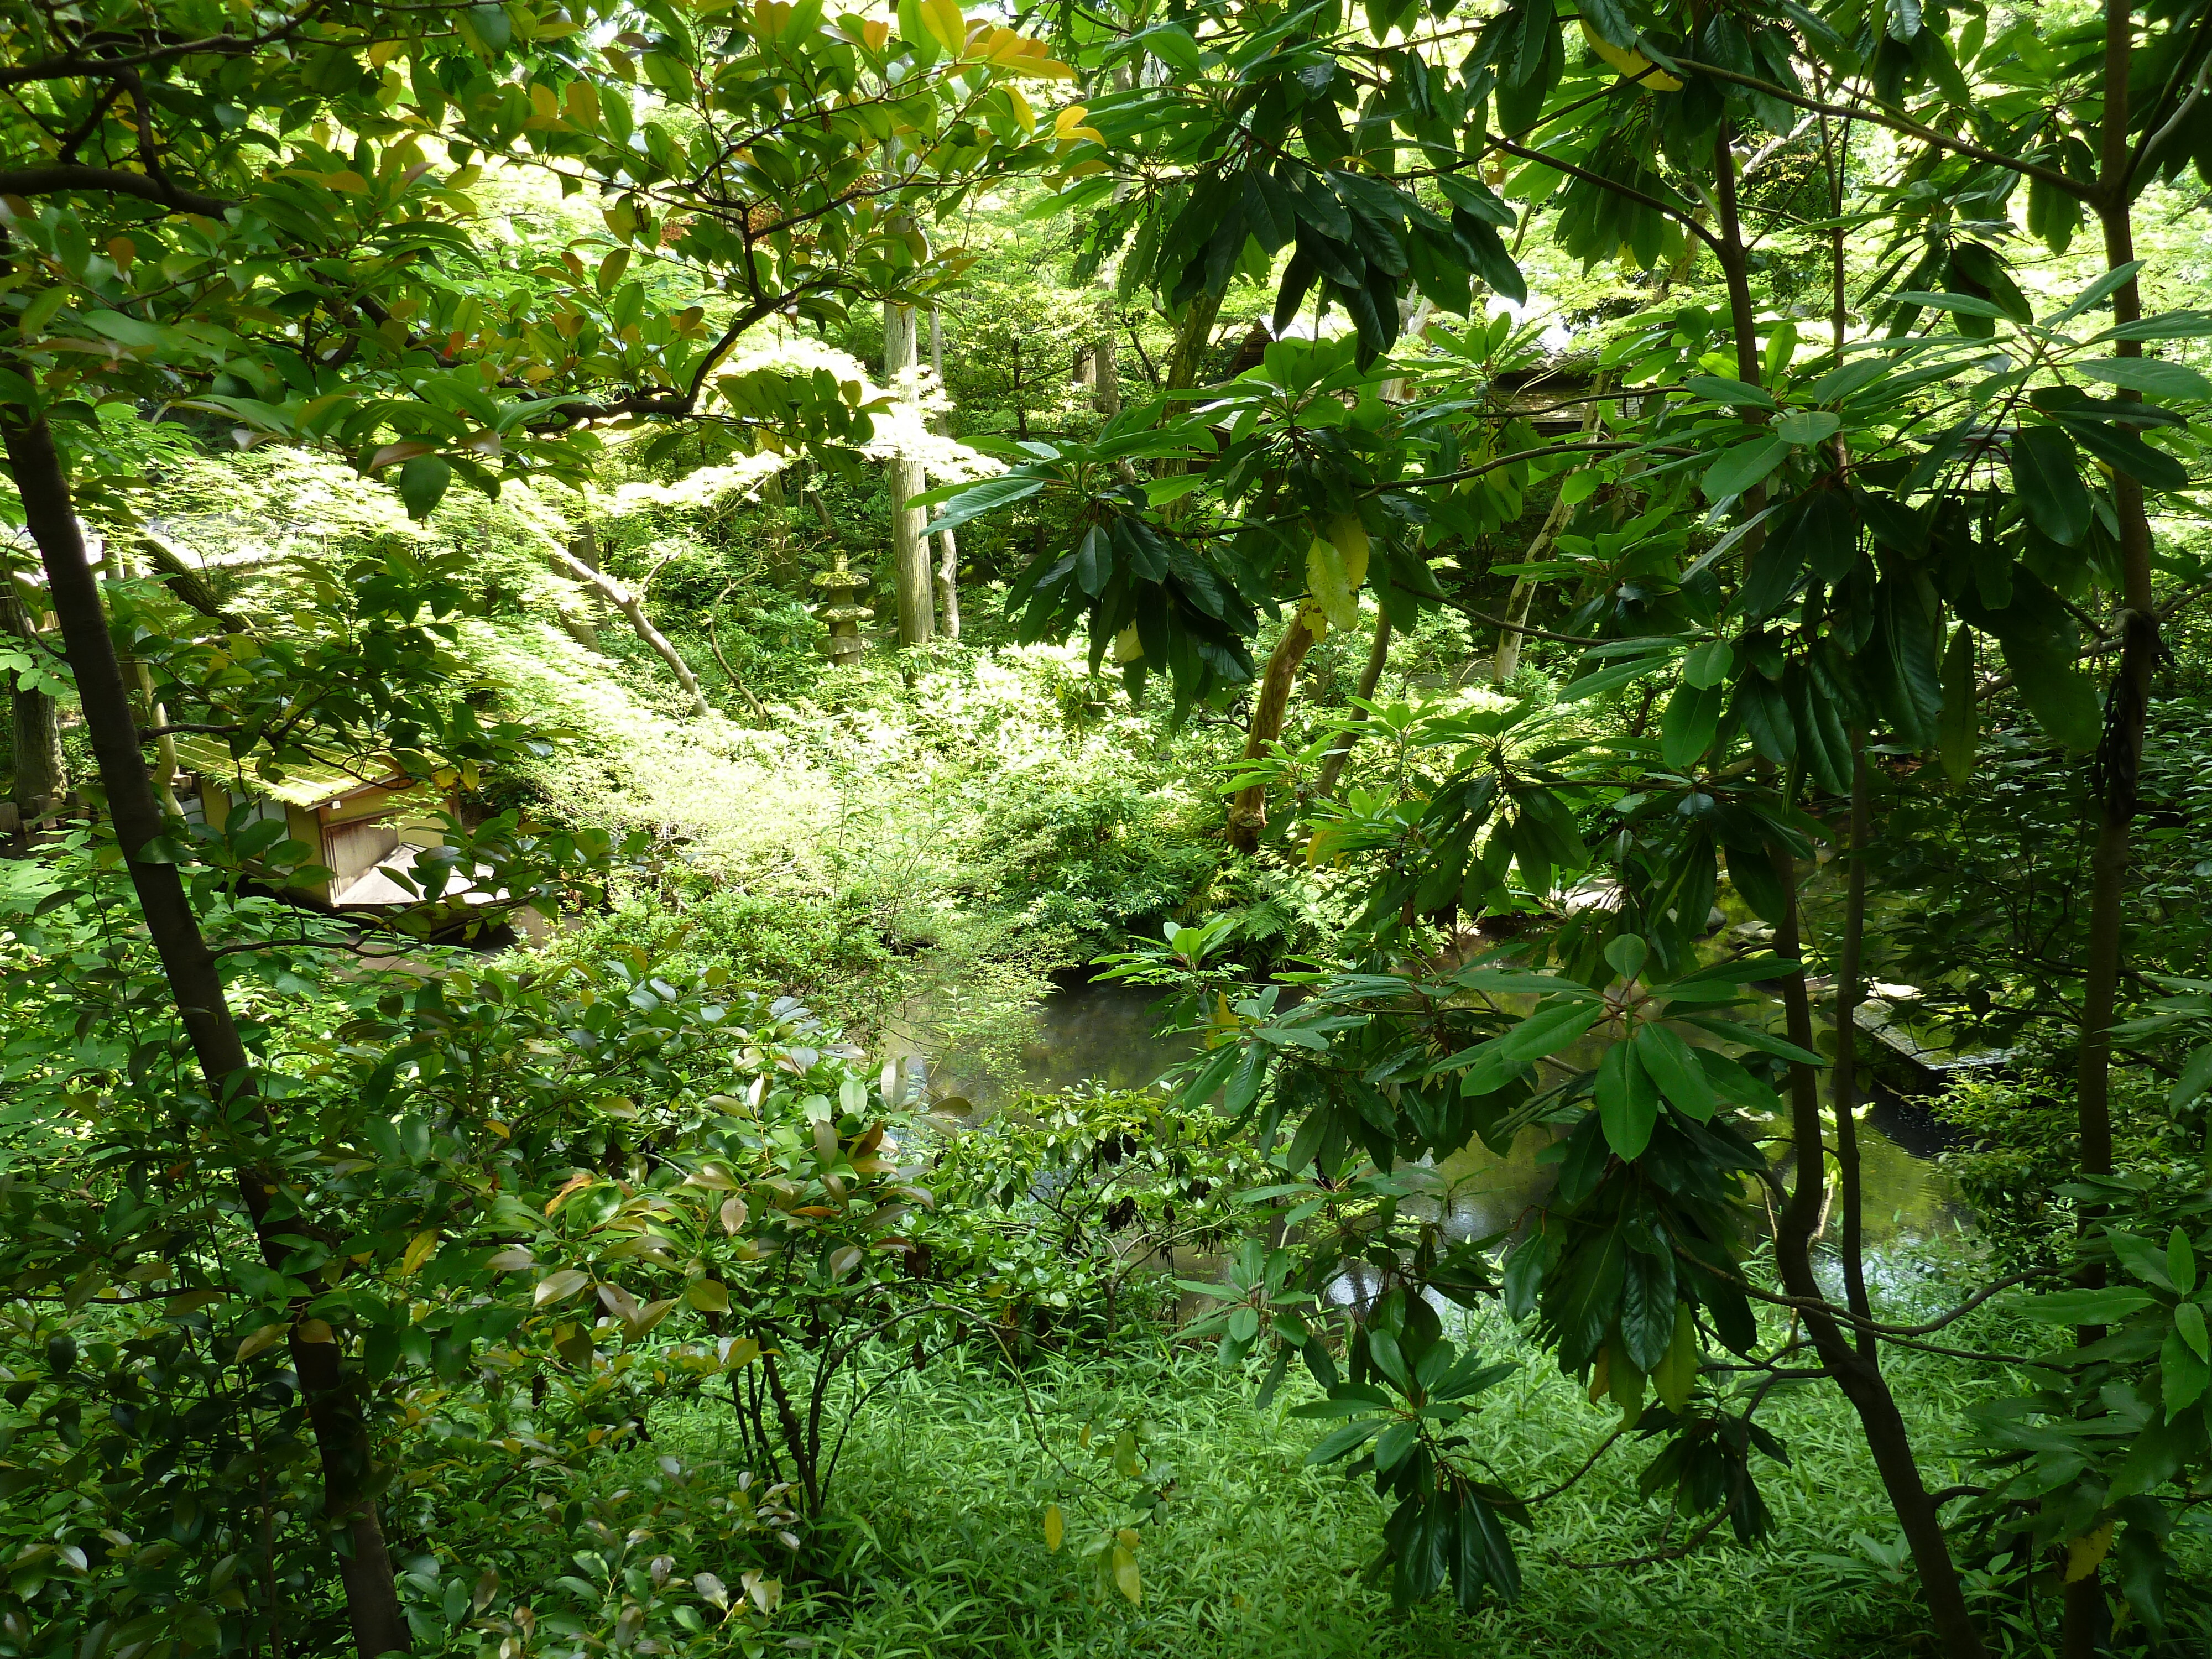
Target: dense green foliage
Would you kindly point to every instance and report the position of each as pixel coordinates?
(1568, 592)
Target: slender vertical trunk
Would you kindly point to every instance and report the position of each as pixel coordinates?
(1248, 808)
(2120, 751)
(917, 618)
(1194, 336)
(1378, 656)
(1843, 1087)
(1505, 661)
(333, 1410)
(782, 563)
(1862, 1383)
(948, 550)
(1105, 364)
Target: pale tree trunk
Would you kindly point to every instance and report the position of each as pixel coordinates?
(1248, 807)
(618, 595)
(1194, 336)
(1507, 660)
(948, 550)
(1378, 657)
(1414, 313)
(910, 573)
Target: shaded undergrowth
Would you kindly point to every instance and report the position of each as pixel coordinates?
(937, 1546)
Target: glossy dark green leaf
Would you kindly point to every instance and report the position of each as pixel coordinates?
(2047, 476)
(1627, 1100)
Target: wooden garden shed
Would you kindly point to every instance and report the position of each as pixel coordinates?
(362, 824)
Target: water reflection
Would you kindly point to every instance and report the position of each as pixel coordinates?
(1103, 1033)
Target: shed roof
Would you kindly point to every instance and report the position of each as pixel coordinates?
(302, 785)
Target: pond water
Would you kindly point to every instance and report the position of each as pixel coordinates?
(1103, 1033)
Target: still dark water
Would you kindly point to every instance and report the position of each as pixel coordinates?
(1103, 1034)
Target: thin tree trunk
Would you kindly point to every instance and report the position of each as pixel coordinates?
(1106, 366)
(948, 550)
(1861, 1383)
(1507, 660)
(623, 600)
(1248, 807)
(2119, 752)
(1843, 1087)
(1378, 655)
(333, 1410)
(783, 567)
(1194, 336)
(917, 620)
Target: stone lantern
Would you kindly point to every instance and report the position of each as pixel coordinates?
(839, 588)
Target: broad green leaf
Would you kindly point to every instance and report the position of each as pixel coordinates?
(1674, 1068)
(975, 500)
(1739, 469)
(1807, 426)
(1709, 664)
(2181, 1268)
(1690, 722)
(2047, 476)
(2153, 377)
(2106, 1306)
(2182, 1372)
(1737, 394)
(2056, 692)
(1627, 1102)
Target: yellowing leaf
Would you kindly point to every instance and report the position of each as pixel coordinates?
(553, 1286)
(581, 1178)
(1633, 64)
(1054, 1526)
(733, 1215)
(418, 1251)
(708, 1296)
(1331, 585)
(316, 1330)
(1125, 1573)
(381, 52)
(1126, 647)
(1068, 119)
(2085, 1553)
(580, 102)
(942, 19)
(1023, 113)
(543, 104)
(512, 1261)
(258, 1340)
(1349, 537)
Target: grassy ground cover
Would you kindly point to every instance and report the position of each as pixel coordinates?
(1253, 1555)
